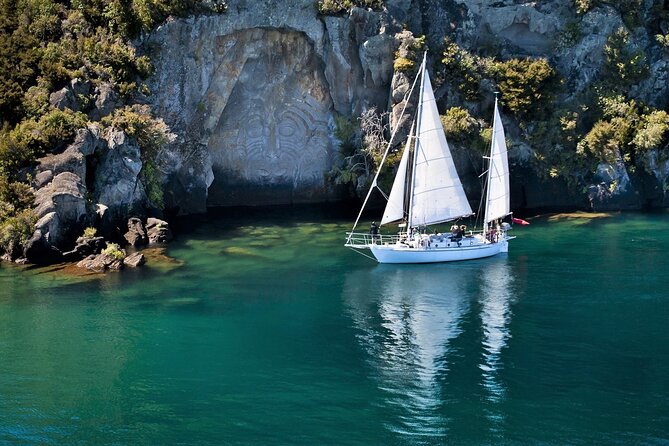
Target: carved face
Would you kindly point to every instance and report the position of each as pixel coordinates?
(272, 131)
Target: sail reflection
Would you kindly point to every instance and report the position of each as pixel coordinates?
(408, 319)
(495, 299)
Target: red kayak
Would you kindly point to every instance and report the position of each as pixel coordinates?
(520, 221)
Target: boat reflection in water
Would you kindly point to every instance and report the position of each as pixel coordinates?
(416, 323)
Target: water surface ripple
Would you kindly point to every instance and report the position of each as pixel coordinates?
(263, 329)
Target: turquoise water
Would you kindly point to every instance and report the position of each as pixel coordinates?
(265, 330)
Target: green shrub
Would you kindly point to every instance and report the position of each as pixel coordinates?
(151, 177)
(525, 84)
(15, 231)
(663, 40)
(624, 65)
(346, 130)
(137, 122)
(653, 130)
(459, 125)
(90, 232)
(403, 64)
(463, 69)
(114, 250)
(14, 197)
(601, 142)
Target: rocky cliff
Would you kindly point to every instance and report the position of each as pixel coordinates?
(253, 94)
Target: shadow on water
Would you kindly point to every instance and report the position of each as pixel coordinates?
(408, 319)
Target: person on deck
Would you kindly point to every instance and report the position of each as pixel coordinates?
(374, 231)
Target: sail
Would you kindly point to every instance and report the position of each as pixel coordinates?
(497, 203)
(437, 191)
(395, 206)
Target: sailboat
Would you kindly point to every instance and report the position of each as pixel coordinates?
(427, 191)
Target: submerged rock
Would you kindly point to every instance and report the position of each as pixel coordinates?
(101, 263)
(134, 260)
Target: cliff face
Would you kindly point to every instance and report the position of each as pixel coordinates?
(253, 94)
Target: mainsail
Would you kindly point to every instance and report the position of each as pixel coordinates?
(437, 193)
(497, 202)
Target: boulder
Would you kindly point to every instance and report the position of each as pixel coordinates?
(43, 178)
(158, 231)
(134, 260)
(64, 98)
(106, 101)
(80, 88)
(62, 209)
(38, 250)
(84, 247)
(101, 263)
(136, 235)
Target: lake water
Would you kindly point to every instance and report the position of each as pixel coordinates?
(265, 330)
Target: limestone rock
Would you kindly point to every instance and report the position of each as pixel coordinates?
(101, 263)
(158, 231)
(614, 190)
(68, 161)
(62, 208)
(117, 185)
(136, 235)
(134, 260)
(43, 178)
(106, 101)
(64, 98)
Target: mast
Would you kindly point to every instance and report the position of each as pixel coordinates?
(417, 142)
(385, 155)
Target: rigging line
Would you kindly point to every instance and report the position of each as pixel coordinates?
(362, 254)
(385, 155)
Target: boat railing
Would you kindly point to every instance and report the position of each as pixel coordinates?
(364, 239)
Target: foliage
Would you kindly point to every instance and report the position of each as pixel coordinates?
(408, 54)
(151, 179)
(346, 131)
(114, 250)
(90, 232)
(525, 83)
(403, 64)
(14, 197)
(459, 125)
(338, 7)
(663, 40)
(35, 137)
(463, 69)
(137, 122)
(653, 130)
(16, 230)
(624, 65)
(601, 142)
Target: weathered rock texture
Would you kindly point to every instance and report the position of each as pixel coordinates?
(253, 93)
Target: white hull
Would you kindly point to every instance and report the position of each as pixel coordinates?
(405, 254)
